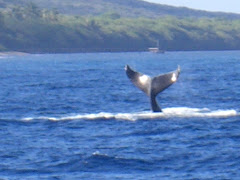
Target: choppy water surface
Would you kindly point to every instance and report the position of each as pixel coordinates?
(77, 116)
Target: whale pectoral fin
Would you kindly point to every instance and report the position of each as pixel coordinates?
(161, 82)
(142, 81)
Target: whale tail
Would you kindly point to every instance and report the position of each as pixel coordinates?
(152, 86)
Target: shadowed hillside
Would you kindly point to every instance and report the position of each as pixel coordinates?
(126, 8)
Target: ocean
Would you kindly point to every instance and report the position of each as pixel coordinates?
(77, 116)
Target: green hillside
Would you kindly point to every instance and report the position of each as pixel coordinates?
(126, 8)
(30, 28)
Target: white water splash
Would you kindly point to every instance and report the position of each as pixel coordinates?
(178, 112)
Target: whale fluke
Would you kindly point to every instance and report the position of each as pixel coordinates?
(152, 86)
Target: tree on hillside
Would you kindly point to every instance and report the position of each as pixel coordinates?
(50, 15)
(32, 10)
(25, 12)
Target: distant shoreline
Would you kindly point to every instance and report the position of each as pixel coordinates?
(22, 53)
(64, 51)
(15, 53)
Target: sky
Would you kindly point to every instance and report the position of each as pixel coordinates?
(232, 6)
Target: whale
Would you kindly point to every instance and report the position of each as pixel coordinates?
(152, 86)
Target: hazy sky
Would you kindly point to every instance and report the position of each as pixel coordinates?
(209, 5)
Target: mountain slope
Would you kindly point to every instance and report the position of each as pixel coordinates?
(126, 8)
(29, 28)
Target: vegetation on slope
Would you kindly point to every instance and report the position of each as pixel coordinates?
(32, 29)
(126, 8)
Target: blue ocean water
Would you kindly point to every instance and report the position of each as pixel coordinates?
(77, 116)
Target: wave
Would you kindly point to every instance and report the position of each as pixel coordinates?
(175, 112)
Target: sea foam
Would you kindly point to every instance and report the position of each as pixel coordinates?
(174, 112)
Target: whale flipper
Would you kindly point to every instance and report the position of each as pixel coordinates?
(152, 86)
